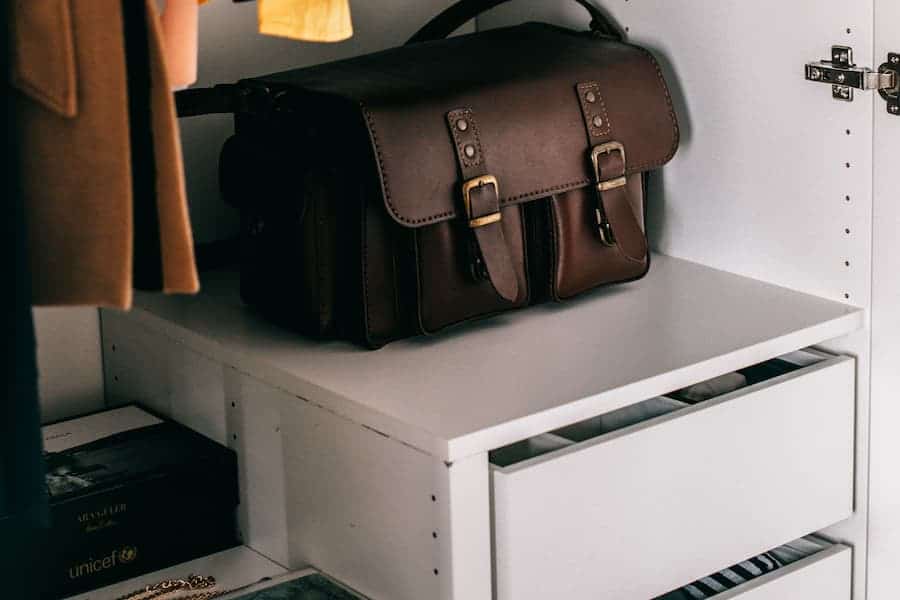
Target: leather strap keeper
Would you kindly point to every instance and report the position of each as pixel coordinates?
(481, 203)
(617, 224)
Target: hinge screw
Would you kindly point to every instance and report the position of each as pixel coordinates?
(815, 74)
(841, 78)
(895, 59)
(894, 108)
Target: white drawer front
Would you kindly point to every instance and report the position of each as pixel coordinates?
(643, 510)
(823, 576)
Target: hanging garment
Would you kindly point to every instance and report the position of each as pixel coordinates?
(180, 35)
(105, 202)
(307, 20)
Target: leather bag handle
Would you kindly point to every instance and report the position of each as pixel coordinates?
(464, 11)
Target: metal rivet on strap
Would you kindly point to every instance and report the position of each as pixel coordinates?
(462, 124)
(598, 121)
(590, 97)
(469, 150)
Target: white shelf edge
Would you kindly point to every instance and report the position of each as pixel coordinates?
(451, 448)
(663, 383)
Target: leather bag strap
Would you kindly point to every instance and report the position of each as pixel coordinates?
(617, 225)
(464, 11)
(230, 98)
(481, 201)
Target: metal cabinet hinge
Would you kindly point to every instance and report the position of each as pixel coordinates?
(844, 76)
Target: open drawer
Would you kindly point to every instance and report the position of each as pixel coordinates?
(641, 508)
(810, 568)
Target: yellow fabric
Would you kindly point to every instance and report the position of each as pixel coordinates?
(307, 20)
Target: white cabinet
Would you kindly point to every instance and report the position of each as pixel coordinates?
(639, 511)
(776, 231)
(375, 467)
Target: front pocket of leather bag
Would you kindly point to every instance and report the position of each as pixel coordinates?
(580, 260)
(448, 293)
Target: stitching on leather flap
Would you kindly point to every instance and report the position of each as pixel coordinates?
(557, 188)
(44, 54)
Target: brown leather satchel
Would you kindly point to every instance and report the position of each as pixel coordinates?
(402, 192)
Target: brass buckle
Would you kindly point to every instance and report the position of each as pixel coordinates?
(467, 188)
(596, 153)
(603, 224)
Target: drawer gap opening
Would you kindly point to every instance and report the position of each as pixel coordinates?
(527, 449)
(646, 410)
(748, 376)
(620, 419)
(744, 574)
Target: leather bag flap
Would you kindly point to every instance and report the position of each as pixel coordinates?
(522, 82)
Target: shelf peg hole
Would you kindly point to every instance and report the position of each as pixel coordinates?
(847, 231)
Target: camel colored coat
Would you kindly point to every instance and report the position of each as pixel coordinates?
(73, 115)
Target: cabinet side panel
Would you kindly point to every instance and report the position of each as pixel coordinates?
(884, 503)
(146, 367)
(360, 506)
(69, 361)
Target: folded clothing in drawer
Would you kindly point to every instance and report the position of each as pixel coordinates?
(724, 384)
(748, 570)
(584, 430)
(620, 419)
(131, 493)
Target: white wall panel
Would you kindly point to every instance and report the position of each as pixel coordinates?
(884, 499)
(69, 363)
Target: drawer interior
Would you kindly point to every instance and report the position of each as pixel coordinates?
(740, 577)
(749, 376)
(530, 448)
(643, 412)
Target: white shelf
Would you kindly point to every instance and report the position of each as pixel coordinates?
(234, 568)
(514, 376)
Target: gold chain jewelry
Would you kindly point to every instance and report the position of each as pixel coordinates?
(171, 586)
(207, 595)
